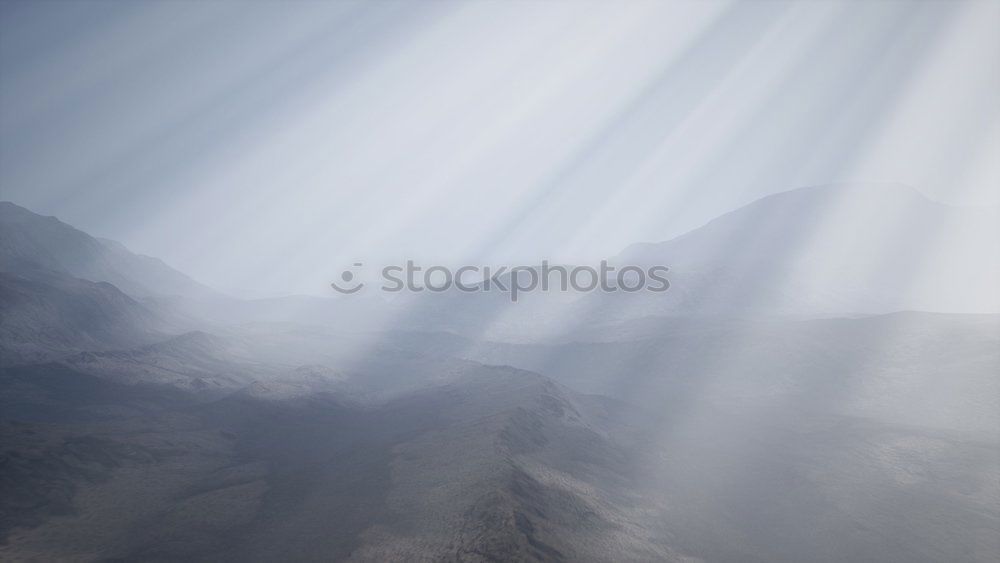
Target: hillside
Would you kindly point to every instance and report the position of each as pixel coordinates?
(836, 249)
(31, 243)
(48, 315)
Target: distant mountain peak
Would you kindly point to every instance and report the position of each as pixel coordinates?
(856, 247)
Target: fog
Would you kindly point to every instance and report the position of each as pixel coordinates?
(294, 141)
(198, 361)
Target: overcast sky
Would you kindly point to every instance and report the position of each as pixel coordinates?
(261, 146)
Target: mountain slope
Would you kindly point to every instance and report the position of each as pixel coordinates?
(850, 248)
(920, 369)
(499, 464)
(534, 473)
(30, 243)
(496, 465)
(49, 316)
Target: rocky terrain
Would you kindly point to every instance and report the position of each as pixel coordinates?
(135, 427)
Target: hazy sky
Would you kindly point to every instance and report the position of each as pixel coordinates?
(262, 146)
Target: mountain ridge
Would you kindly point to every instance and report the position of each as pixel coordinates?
(30, 242)
(842, 248)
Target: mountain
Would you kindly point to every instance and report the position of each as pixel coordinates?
(31, 243)
(835, 249)
(191, 361)
(693, 438)
(826, 251)
(49, 315)
(918, 369)
(34, 247)
(497, 464)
